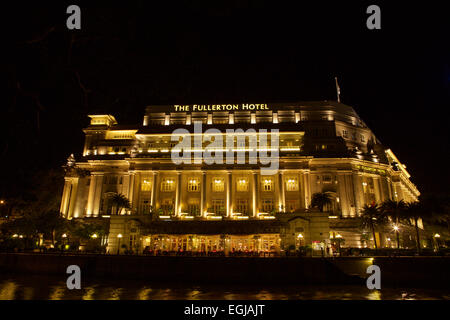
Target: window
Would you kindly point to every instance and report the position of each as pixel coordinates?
(167, 185)
(291, 205)
(267, 184)
(242, 206)
(193, 209)
(292, 184)
(242, 185)
(267, 205)
(326, 179)
(218, 185)
(193, 185)
(345, 134)
(218, 207)
(146, 185)
(363, 139)
(133, 238)
(145, 206)
(167, 206)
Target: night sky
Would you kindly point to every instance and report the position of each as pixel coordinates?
(137, 53)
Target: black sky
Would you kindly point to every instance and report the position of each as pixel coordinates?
(135, 53)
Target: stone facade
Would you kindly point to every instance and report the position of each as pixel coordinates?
(323, 147)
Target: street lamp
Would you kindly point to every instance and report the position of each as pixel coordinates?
(94, 236)
(398, 235)
(119, 236)
(63, 236)
(436, 236)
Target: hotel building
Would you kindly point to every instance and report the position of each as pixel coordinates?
(199, 206)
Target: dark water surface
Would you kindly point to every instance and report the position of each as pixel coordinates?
(42, 287)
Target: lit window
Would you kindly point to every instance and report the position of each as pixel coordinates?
(218, 185)
(292, 205)
(242, 185)
(218, 207)
(167, 185)
(167, 206)
(267, 185)
(267, 205)
(146, 185)
(345, 133)
(193, 185)
(292, 184)
(194, 209)
(242, 206)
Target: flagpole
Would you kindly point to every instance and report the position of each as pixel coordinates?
(338, 90)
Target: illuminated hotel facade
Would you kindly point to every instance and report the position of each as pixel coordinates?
(199, 206)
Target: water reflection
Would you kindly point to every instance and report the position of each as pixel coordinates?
(28, 287)
(8, 290)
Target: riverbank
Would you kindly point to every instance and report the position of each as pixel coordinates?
(398, 271)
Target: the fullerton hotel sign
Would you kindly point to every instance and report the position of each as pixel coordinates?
(221, 107)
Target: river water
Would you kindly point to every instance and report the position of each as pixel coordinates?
(41, 287)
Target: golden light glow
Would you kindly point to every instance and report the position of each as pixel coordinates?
(290, 149)
(94, 236)
(64, 235)
(119, 235)
(437, 235)
(146, 185)
(213, 217)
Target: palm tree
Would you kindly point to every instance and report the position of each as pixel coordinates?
(320, 200)
(394, 210)
(414, 211)
(121, 202)
(371, 217)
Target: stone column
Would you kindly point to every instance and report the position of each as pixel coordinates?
(358, 192)
(131, 191)
(177, 194)
(65, 196)
(282, 202)
(229, 193)
(342, 193)
(72, 197)
(376, 186)
(307, 189)
(254, 193)
(203, 195)
(91, 195)
(98, 194)
(154, 187)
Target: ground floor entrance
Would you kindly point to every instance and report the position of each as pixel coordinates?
(210, 245)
